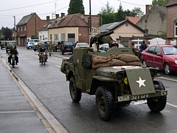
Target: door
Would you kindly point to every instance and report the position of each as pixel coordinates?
(158, 61)
(71, 38)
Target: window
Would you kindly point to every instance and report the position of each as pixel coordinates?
(151, 50)
(157, 50)
(40, 38)
(24, 28)
(62, 36)
(51, 37)
(175, 29)
(21, 28)
(55, 37)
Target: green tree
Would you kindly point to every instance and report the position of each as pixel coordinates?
(7, 33)
(136, 12)
(159, 2)
(120, 14)
(33, 37)
(76, 6)
(107, 14)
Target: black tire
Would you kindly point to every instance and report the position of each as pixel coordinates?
(157, 104)
(62, 53)
(75, 92)
(105, 103)
(167, 69)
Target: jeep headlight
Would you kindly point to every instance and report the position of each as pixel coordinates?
(119, 76)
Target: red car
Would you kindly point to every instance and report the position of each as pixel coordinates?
(163, 57)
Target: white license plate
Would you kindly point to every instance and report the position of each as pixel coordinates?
(139, 102)
(68, 49)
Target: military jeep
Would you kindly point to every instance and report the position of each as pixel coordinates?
(114, 85)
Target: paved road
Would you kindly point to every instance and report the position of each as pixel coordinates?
(50, 87)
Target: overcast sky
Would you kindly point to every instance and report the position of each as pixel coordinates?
(20, 8)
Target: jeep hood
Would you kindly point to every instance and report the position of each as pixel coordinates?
(139, 79)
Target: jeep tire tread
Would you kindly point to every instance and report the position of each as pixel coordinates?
(157, 104)
(105, 103)
(75, 92)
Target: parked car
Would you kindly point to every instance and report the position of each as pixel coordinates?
(66, 46)
(29, 45)
(163, 57)
(104, 47)
(82, 45)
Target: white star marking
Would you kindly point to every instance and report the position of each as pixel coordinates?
(141, 82)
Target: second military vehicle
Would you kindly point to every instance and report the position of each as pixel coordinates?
(116, 77)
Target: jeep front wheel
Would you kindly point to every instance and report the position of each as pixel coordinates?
(104, 102)
(75, 92)
(157, 104)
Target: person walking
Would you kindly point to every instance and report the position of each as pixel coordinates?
(143, 46)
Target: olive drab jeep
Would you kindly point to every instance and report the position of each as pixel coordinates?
(116, 77)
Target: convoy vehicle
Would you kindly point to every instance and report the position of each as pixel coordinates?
(114, 85)
(2, 44)
(9, 45)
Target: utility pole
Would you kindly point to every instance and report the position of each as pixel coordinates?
(15, 30)
(90, 18)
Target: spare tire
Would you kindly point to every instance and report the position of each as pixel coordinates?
(87, 61)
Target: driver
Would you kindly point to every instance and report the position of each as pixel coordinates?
(15, 52)
(41, 51)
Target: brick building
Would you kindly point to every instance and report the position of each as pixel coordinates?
(28, 26)
(172, 19)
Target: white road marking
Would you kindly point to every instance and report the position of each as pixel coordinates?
(172, 105)
(57, 66)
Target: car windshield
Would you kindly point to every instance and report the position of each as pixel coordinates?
(170, 50)
(82, 45)
(36, 40)
(68, 43)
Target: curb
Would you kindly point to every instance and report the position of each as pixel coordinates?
(49, 121)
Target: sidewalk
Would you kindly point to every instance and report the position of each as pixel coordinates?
(16, 113)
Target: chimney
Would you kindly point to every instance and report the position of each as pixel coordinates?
(57, 15)
(62, 15)
(147, 8)
(47, 18)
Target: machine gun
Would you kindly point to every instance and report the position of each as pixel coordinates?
(103, 37)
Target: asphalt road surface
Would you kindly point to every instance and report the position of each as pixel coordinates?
(51, 88)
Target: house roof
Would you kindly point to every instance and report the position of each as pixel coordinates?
(115, 25)
(133, 19)
(73, 20)
(162, 8)
(25, 19)
(171, 3)
(110, 26)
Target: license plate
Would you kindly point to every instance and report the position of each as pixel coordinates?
(68, 49)
(139, 102)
